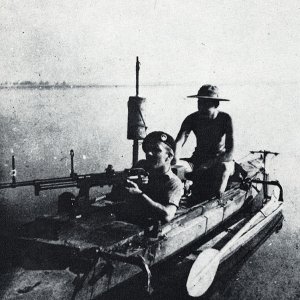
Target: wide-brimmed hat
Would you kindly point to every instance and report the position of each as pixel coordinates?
(208, 91)
(159, 136)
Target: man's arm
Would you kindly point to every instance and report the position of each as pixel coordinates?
(229, 141)
(181, 139)
(165, 213)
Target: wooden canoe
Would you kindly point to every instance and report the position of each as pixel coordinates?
(64, 258)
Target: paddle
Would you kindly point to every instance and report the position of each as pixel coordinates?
(206, 265)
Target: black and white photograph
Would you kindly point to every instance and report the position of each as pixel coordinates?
(149, 150)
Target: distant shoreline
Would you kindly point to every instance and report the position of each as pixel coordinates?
(48, 86)
(29, 85)
(36, 86)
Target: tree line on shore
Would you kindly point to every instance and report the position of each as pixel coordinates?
(41, 85)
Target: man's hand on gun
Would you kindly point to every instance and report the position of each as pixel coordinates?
(132, 188)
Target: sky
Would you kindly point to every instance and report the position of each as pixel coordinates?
(97, 41)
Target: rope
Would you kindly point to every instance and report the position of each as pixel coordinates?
(254, 166)
(241, 158)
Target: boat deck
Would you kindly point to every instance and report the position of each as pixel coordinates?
(100, 228)
(63, 244)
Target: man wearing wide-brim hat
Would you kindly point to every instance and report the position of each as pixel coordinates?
(212, 162)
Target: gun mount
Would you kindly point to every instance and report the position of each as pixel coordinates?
(83, 182)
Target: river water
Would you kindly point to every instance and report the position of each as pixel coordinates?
(40, 127)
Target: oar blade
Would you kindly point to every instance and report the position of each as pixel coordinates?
(203, 272)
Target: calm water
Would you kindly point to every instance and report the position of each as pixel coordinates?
(40, 127)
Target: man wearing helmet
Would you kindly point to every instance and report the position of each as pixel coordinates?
(161, 196)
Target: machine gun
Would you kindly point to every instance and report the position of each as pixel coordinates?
(84, 182)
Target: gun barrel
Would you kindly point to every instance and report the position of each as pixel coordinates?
(79, 181)
(42, 184)
(16, 184)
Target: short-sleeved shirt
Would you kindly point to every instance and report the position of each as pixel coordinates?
(165, 189)
(210, 134)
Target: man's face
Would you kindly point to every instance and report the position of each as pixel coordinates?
(157, 154)
(206, 106)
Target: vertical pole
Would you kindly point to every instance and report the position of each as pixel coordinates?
(137, 69)
(135, 147)
(72, 163)
(265, 175)
(13, 171)
(135, 152)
